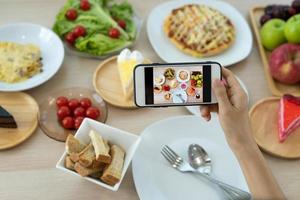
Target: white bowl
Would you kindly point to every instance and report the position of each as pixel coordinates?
(129, 142)
(51, 47)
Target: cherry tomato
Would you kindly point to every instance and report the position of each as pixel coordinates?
(68, 122)
(78, 121)
(122, 24)
(85, 5)
(85, 102)
(79, 112)
(71, 14)
(79, 31)
(92, 112)
(73, 104)
(114, 33)
(70, 38)
(62, 101)
(63, 112)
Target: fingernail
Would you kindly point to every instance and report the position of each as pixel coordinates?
(224, 82)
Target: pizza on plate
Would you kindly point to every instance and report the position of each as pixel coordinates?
(199, 30)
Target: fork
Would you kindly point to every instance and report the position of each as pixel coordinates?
(181, 165)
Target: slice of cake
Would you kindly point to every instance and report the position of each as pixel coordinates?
(127, 61)
(289, 116)
(6, 119)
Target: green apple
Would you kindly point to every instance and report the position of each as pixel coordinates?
(272, 33)
(292, 29)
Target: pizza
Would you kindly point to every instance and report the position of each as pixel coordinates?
(199, 30)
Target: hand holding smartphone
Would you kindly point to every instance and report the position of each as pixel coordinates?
(175, 84)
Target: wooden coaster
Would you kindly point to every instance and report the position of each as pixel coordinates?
(108, 85)
(264, 120)
(277, 88)
(25, 110)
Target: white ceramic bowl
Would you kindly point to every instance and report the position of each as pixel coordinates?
(129, 142)
(51, 48)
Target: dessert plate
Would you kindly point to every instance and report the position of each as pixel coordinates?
(264, 119)
(239, 50)
(47, 117)
(24, 109)
(107, 83)
(52, 51)
(155, 178)
(195, 110)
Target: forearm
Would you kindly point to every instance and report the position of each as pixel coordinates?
(260, 179)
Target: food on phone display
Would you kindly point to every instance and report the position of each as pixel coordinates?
(168, 96)
(169, 74)
(166, 88)
(289, 116)
(199, 30)
(173, 83)
(6, 119)
(183, 76)
(183, 86)
(191, 91)
(94, 27)
(196, 79)
(127, 61)
(159, 80)
(157, 89)
(98, 159)
(19, 62)
(71, 112)
(284, 63)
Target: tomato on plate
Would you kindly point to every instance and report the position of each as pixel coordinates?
(79, 112)
(63, 112)
(68, 122)
(85, 102)
(62, 101)
(85, 5)
(73, 103)
(92, 112)
(122, 24)
(78, 121)
(114, 33)
(71, 14)
(79, 31)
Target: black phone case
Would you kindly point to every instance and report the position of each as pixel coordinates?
(178, 64)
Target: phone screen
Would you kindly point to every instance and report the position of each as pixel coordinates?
(167, 85)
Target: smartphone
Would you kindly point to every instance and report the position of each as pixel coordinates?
(175, 84)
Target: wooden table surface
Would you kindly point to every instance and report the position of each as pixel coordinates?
(28, 170)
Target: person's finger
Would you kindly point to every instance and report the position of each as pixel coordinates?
(221, 93)
(231, 80)
(205, 112)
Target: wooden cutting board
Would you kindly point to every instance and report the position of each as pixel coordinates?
(277, 88)
(25, 110)
(264, 120)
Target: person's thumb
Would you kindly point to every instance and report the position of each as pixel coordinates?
(220, 93)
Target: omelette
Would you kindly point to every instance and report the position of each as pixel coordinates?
(19, 62)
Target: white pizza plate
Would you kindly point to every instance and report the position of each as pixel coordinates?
(155, 178)
(51, 47)
(195, 110)
(239, 50)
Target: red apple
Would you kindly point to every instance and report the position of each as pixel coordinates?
(285, 63)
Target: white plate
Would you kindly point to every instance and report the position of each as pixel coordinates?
(155, 178)
(195, 110)
(51, 48)
(169, 53)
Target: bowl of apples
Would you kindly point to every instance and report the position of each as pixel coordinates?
(63, 111)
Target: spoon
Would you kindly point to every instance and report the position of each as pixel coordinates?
(201, 162)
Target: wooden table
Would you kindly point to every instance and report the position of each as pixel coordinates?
(28, 171)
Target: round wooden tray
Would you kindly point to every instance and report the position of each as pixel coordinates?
(25, 110)
(264, 120)
(107, 84)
